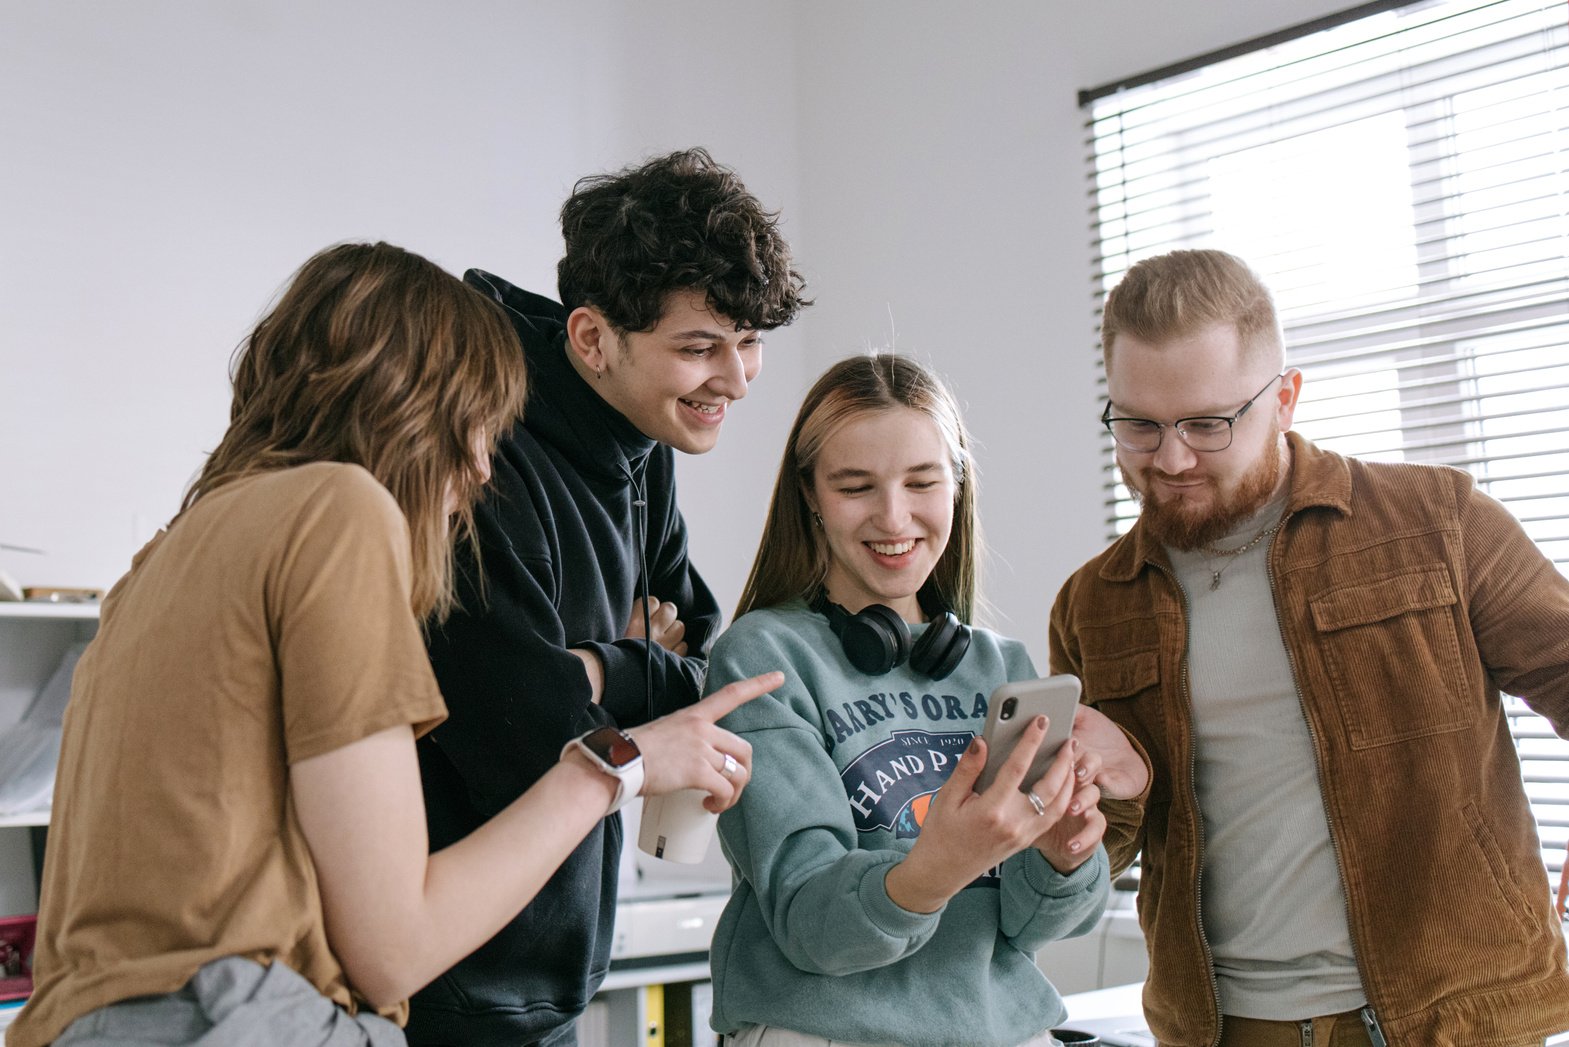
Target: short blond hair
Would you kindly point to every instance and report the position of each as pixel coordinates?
(1171, 295)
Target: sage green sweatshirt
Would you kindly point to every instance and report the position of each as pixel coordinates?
(844, 765)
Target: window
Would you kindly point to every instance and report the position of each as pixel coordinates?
(1401, 179)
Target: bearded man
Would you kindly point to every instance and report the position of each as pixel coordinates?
(1336, 844)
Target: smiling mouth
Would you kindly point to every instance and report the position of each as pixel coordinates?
(701, 408)
(892, 548)
(1171, 481)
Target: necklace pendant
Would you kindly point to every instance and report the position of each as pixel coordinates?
(1214, 580)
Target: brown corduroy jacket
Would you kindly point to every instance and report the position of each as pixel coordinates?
(1407, 602)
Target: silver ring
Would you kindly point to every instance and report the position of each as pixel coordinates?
(729, 767)
(1036, 802)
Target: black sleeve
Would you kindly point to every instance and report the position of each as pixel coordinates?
(514, 692)
(677, 681)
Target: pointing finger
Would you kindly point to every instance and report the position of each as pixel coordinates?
(731, 697)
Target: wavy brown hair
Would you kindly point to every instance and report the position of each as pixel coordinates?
(792, 558)
(679, 222)
(377, 357)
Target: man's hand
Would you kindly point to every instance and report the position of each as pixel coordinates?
(669, 633)
(1108, 760)
(665, 628)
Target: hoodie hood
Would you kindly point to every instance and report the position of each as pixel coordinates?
(562, 408)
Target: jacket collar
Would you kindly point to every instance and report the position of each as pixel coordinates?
(562, 408)
(1319, 479)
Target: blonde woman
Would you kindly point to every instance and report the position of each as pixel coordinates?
(238, 852)
(879, 898)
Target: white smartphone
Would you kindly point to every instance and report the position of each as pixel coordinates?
(1009, 712)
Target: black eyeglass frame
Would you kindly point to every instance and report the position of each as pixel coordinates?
(1161, 427)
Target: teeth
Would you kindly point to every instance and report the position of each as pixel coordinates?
(703, 408)
(892, 548)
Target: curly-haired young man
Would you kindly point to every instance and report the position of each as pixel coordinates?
(583, 610)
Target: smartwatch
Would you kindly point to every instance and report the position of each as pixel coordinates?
(613, 751)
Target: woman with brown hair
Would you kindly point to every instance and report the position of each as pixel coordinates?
(239, 852)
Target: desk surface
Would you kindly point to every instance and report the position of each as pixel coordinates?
(1123, 1000)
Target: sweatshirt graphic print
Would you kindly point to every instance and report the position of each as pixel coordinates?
(845, 767)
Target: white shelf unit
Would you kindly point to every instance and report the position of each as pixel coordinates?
(33, 637)
(38, 610)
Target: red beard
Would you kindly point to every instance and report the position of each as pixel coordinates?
(1179, 526)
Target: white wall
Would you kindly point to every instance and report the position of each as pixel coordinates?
(945, 184)
(167, 164)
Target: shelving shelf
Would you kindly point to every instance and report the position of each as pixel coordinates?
(34, 636)
(41, 609)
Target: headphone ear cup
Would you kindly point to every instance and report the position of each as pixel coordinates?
(941, 648)
(875, 640)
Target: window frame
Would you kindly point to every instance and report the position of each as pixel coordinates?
(1452, 355)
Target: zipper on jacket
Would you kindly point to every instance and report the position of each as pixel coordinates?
(1193, 793)
(1375, 1034)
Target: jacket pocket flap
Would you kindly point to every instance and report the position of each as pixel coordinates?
(1414, 589)
(1118, 677)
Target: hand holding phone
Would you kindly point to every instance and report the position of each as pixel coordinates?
(1011, 708)
(971, 827)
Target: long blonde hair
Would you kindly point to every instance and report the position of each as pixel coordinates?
(377, 357)
(792, 558)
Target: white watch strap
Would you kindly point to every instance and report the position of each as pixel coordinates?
(631, 785)
(629, 779)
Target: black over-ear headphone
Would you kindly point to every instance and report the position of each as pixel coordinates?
(876, 639)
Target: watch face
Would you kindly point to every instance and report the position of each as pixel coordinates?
(614, 747)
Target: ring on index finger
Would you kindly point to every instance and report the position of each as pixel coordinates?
(1036, 802)
(728, 768)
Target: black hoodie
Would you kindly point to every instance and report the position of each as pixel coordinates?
(558, 533)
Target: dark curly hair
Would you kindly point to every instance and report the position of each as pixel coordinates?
(678, 222)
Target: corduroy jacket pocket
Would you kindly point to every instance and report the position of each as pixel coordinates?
(1120, 677)
(1119, 656)
(1510, 893)
(1393, 634)
(1120, 670)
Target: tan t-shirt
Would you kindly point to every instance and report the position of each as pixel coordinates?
(271, 623)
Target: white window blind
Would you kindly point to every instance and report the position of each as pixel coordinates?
(1401, 180)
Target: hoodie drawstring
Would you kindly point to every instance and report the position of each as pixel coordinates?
(640, 503)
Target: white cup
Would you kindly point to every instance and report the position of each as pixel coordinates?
(676, 826)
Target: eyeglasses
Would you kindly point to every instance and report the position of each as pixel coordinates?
(1201, 433)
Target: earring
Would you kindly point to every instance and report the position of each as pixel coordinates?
(598, 373)
(817, 518)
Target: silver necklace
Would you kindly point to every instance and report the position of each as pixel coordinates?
(1232, 554)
